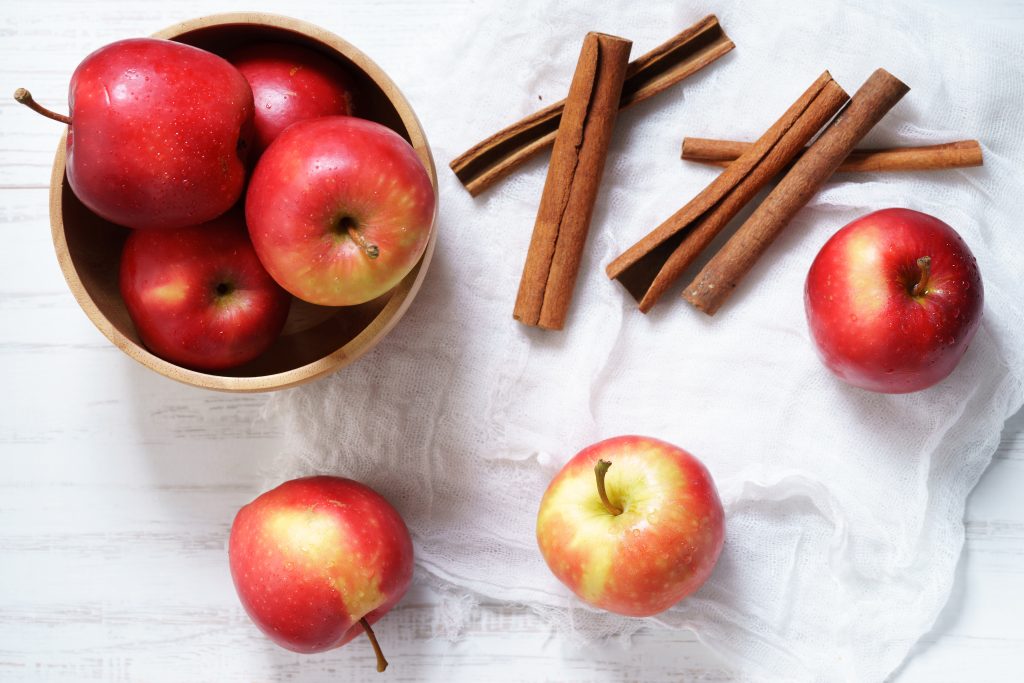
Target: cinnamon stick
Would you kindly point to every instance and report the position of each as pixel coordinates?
(718, 279)
(650, 266)
(682, 55)
(574, 176)
(959, 154)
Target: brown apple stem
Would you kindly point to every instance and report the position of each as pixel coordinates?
(601, 469)
(381, 662)
(925, 264)
(25, 97)
(371, 250)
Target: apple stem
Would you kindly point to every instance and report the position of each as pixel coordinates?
(601, 469)
(925, 264)
(371, 250)
(25, 97)
(381, 662)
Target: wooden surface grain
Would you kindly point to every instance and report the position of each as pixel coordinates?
(118, 486)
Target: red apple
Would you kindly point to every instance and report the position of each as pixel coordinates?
(632, 525)
(291, 83)
(158, 134)
(317, 560)
(339, 210)
(199, 296)
(893, 300)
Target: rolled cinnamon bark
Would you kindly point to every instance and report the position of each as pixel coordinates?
(684, 54)
(959, 154)
(573, 180)
(650, 266)
(718, 279)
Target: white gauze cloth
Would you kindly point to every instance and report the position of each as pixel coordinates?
(844, 508)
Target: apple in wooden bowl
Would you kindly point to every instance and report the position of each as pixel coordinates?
(315, 339)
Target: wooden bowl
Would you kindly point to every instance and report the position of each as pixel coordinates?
(316, 339)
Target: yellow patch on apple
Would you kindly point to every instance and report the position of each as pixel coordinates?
(312, 539)
(169, 293)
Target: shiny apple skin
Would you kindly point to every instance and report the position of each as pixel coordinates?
(662, 547)
(169, 282)
(867, 326)
(313, 556)
(291, 83)
(321, 171)
(159, 133)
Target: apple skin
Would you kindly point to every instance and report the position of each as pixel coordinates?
(660, 549)
(313, 556)
(159, 133)
(321, 179)
(868, 327)
(291, 83)
(169, 281)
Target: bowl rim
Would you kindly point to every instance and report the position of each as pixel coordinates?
(382, 323)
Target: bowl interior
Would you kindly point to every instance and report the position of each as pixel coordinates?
(316, 339)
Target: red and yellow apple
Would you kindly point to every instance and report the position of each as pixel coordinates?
(199, 296)
(339, 210)
(291, 83)
(893, 300)
(632, 525)
(317, 560)
(159, 133)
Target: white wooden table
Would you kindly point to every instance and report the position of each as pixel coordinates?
(118, 486)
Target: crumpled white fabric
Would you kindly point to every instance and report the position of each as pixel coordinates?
(844, 508)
